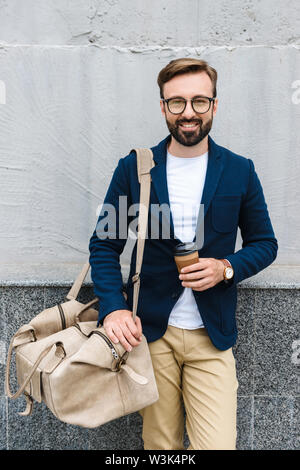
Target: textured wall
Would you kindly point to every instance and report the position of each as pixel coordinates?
(80, 82)
(77, 92)
(162, 22)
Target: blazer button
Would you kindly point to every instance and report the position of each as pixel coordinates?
(174, 295)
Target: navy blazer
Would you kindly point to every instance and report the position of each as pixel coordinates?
(232, 197)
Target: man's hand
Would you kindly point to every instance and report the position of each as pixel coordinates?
(202, 275)
(120, 327)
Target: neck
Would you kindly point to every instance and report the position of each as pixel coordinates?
(179, 150)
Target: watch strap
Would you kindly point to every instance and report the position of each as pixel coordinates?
(226, 263)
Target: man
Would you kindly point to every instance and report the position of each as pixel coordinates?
(188, 319)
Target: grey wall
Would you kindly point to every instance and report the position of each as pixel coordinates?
(267, 358)
(78, 91)
(80, 81)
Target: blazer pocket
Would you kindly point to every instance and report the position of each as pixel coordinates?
(225, 213)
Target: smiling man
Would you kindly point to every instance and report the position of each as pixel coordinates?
(188, 319)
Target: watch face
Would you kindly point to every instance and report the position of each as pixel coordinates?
(229, 273)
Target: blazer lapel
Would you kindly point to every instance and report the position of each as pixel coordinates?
(214, 170)
(159, 177)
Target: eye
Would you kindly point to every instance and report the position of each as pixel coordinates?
(201, 101)
(201, 105)
(176, 102)
(176, 105)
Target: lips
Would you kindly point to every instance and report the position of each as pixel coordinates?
(188, 126)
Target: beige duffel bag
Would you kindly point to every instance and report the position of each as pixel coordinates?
(64, 360)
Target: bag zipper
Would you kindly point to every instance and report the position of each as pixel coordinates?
(62, 316)
(107, 340)
(109, 343)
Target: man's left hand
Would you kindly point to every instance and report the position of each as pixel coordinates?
(202, 275)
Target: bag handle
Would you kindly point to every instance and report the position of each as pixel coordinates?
(144, 164)
(59, 354)
(60, 350)
(74, 291)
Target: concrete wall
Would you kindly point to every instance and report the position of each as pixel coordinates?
(81, 91)
(77, 92)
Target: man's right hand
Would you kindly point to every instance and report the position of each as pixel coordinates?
(120, 327)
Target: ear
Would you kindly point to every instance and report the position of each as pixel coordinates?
(215, 107)
(162, 107)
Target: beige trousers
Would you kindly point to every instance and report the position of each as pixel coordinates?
(189, 369)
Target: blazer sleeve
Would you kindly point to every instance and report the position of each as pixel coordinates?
(107, 244)
(259, 247)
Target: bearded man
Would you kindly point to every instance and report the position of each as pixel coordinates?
(188, 318)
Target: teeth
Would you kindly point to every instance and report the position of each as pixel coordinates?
(188, 125)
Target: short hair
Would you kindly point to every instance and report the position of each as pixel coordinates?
(186, 65)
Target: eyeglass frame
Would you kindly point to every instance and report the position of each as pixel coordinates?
(192, 102)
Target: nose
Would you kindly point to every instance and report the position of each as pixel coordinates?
(188, 113)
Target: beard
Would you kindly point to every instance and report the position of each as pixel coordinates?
(189, 138)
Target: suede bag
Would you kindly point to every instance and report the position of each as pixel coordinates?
(64, 360)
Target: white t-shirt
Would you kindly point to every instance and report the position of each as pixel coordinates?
(185, 179)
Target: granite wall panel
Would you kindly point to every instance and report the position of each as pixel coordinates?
(268, 394)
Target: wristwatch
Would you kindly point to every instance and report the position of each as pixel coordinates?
(228, 270)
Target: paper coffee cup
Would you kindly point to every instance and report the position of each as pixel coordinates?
(185, 254)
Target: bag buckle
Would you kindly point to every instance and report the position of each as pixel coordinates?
(122, 361)
(135, 278)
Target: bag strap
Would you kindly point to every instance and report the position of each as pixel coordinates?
(74, 291)
(144, 164)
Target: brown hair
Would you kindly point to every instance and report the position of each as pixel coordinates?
(186, 65)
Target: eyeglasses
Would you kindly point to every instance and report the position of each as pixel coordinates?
(200, 104)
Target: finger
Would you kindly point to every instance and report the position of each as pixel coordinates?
(110, 334)
(196, 284)
(126, 337)
(204, 287)
(119, 334)
(201, 264)
(139, 328)
(194, 275)
(130, 337)
(133, 328)
(191, 267)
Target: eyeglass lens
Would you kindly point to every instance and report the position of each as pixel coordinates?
(177, 105)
